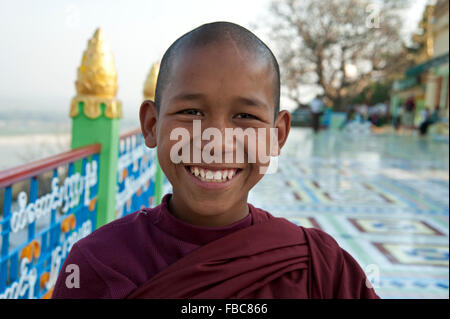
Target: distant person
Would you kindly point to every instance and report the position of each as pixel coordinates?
(429, 119)
(364, 111)
(435, 116)
(373, 115)
(397, 118)
(351, 116)
(317, 108)
(426, 122)
(387, 113)
(409, 109)
(382, 108)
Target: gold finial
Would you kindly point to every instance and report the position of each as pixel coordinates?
(97, 81)
(150, 82)
(97, 73)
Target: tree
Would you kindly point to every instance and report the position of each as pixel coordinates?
(337, 47)
(377, 92)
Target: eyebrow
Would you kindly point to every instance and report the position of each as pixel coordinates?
(240, 99)
(189, 97)
(250, 101)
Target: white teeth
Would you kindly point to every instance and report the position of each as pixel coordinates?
(209, 175)
(215, 176)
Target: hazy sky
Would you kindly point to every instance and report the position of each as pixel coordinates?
(42, 41)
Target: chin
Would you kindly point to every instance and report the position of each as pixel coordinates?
(213, 205)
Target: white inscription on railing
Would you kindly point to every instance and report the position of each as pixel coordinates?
(67, 196)
(146, 172)
(28, 276)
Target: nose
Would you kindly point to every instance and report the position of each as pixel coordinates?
(212, 136)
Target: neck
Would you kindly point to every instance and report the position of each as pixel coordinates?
(214, 218)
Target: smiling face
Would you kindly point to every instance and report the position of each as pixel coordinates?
(223, 87)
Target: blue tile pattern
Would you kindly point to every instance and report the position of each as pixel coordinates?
(383, 197)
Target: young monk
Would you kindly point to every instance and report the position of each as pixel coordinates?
(205, 240)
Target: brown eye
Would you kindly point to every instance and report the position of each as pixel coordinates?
(246, 116)
(191, 112)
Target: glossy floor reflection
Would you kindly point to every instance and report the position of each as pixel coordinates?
(384, 198)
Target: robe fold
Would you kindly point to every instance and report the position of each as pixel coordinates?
(153, 254)
(272, 259)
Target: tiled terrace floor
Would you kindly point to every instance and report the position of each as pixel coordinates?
(384, 198)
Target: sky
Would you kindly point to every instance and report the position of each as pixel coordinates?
(42, 42)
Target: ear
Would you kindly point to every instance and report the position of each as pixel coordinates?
(283, 125)
(148, 116)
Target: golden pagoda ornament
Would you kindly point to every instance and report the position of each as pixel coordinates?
(150, 82)
(96, 82)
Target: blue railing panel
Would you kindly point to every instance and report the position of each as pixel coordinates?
(136, 171)
(37, 232)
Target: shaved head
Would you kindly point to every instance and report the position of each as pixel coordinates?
(217, 33)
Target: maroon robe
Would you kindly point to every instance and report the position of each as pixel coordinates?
(273, 258)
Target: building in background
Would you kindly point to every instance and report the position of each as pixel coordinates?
(427, 81)
(413, 84)
(437, 80)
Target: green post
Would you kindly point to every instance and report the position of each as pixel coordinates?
(103, 130)
(95, 116)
